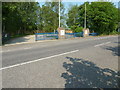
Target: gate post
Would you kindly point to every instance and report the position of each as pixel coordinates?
(61, 33)
(86, 32)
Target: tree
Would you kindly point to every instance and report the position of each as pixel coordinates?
(24, 17)
(49, 16)
(102, 17)
(72, 16)
(17, 17)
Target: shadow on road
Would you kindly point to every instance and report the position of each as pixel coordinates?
(85, 74)
(115, 50)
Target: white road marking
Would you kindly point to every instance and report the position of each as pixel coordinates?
(102, 44)
(37, 60)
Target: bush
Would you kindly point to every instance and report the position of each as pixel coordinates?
(79, 29)
(114, 33)
(73, 27)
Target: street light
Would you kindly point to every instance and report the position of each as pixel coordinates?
(59, 13)
(85, 16)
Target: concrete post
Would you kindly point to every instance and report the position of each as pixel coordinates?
(86, 32)
(61, 33)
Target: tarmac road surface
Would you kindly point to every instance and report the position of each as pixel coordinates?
(77, 63)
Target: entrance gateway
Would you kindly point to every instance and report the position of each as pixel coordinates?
(60, 34)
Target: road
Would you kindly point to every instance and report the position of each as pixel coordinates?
(58, 63)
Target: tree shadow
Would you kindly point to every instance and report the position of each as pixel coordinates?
(115, 50)
(18, 40)
(84, 74)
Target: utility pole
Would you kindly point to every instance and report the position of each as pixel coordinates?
(59, 13)
(85, 17)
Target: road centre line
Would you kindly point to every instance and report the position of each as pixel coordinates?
(20, 64)
(102, 44)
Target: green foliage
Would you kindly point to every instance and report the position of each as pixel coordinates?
(72, 16)
(79, 29)
(102, 17)
(19, 17)
(49, 16)
(73, 27)
(24, 17)
(76, 28)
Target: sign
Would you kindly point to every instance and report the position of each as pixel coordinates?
(62, 32)
(86, 32)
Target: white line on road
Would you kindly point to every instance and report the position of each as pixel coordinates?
(38, 60)
(102, 44)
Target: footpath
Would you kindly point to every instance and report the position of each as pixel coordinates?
(31, 39)
(23, 40)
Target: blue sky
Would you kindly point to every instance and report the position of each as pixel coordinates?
(70, 3)
(74, 3)
(67, 3)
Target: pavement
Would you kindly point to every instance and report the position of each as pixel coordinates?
(30, 39)
(24, 40)
(78, 63)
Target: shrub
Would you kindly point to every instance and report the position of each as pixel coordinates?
(79, 29)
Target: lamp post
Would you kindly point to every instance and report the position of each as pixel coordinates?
(85, 17)
(59, 13)
(85, 30)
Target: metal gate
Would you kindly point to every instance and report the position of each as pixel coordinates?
(46, 36)
(52, 35)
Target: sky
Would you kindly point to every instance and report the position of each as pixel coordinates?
(68, 3)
